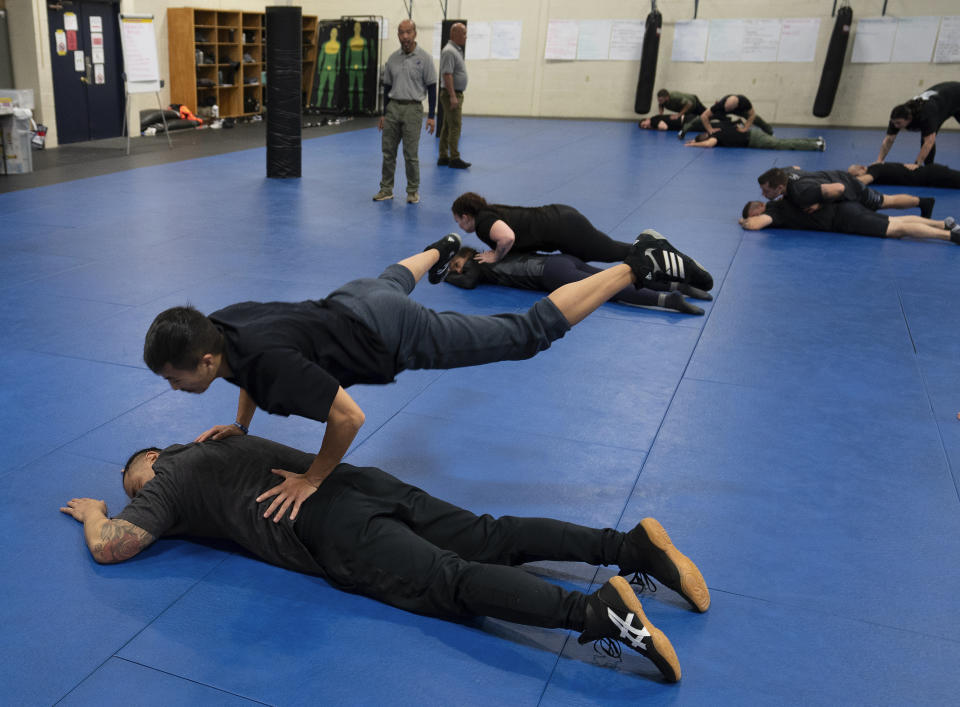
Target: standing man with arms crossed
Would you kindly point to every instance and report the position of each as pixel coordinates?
(453, 73)
(408, 78)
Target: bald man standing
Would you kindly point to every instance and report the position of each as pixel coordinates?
(408, 77)
(453, 73)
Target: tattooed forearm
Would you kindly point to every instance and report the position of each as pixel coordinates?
(119, 540)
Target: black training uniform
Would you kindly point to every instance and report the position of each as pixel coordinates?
(803, 188)
(936, 105)
(366, 531)
(927, 175)
(844, 217)
(548, 228)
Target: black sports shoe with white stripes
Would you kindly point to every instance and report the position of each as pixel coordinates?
(448, 247)
(653, 259)
(614, 614)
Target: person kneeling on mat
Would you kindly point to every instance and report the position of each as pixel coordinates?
(367, 532)
(545, 272)
(846, 217)
(297, 358)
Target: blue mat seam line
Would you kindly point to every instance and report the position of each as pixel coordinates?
(144, 628)
(71, 441)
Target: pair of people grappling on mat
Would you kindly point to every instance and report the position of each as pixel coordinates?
(360, 528)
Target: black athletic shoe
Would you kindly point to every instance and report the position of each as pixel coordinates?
(647, 550)
(926, 206)
(664, 263)
(448, 247)
(615, 614)
(955, 235)
(443, 161)
(949, 222)
(457, 163)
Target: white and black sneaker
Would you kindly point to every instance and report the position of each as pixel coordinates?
(653, 259)
(949, 222)
(615, 616)
(448, 247)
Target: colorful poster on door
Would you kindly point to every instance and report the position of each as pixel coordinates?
(96, 39)
(61, 39)
(70, 21)
(72, 39)
(78, 64)
(99, 76)
(96, 24)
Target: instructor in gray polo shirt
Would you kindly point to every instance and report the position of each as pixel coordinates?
(453, 74)
(408, 78)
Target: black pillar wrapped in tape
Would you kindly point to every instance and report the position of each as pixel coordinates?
(648, 62)
(833, 64)
(284, 50)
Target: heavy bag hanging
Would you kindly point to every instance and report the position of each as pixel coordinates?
(648, 62)
(833, 64)
(284, 67)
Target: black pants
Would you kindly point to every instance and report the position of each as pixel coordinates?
(938, 175)
(571, 232)
(561, 269)
(377, 536)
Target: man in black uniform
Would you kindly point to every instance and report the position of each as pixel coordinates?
(925, 114)
(845, 217)
(731, 104)
(367, 532)
(910, 175)
(297, 358)
(548, 271)
(807, 190)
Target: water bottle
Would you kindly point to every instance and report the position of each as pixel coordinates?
(215, 111)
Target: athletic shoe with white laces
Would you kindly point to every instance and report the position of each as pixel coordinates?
(648, 550)
(448, 247)
(654, 259)
(614, 616)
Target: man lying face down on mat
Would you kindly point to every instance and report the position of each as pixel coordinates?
(367, 532)
(297, 358)
(845, 217)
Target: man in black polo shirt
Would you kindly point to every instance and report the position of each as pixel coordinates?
(297, 358)
(924, 114)
(367, 532)
(845, 217)
(910, 175)
(810, 189)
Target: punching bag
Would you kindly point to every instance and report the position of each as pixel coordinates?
(648, 62)
(284, 66)
(833, 64)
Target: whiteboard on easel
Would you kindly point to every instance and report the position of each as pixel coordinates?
(140, 63)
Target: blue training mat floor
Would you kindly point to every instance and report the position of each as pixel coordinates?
(799, 441)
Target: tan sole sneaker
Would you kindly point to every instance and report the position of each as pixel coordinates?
(691, 583)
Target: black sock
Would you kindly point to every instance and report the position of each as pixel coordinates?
(926, 206)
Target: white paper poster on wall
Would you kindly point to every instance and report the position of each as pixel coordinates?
(505, 39)
(948, 41)
(478, 41)
(78, 64)
(96, 24)
(725, 40)
(798, 38)
(99, 75)
(761, 40)
(915, 39)
(690, 40)
(561, 40)
(626, 40)
(96, 55)
(873, 43)
(593, 40)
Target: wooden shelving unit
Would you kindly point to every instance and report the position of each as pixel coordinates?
(219, 56)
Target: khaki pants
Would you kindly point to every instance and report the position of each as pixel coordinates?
(402, 122)
(452, 121)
